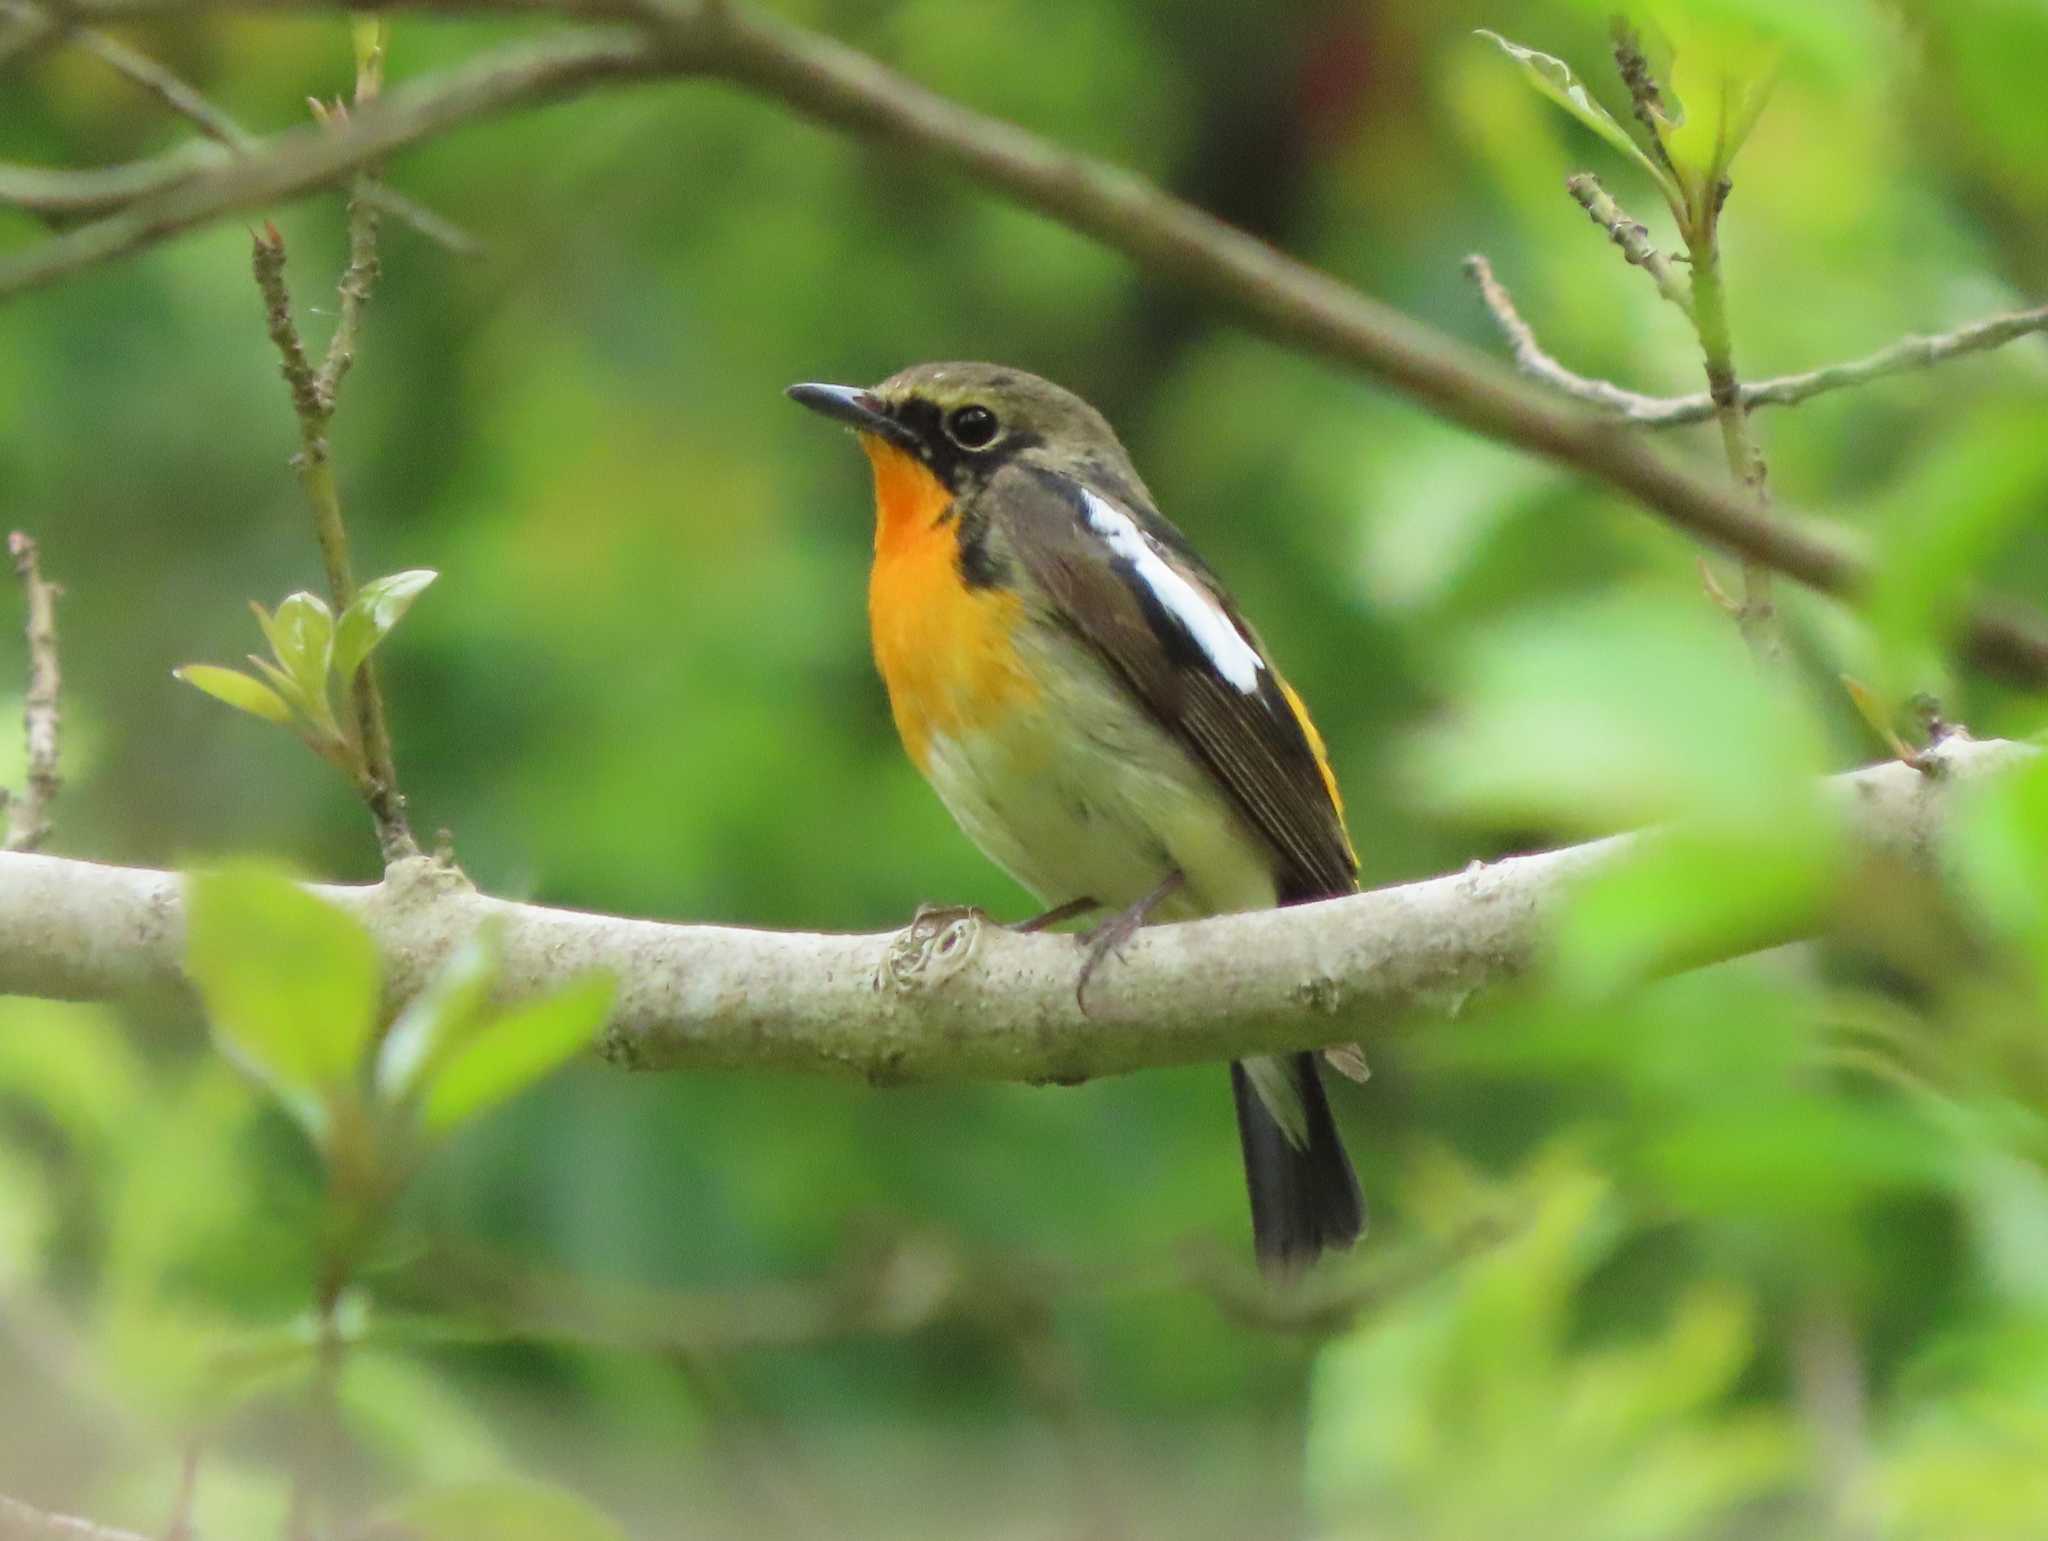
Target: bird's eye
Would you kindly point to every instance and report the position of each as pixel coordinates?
(971, 427)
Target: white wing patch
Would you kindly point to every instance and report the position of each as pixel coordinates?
(1199, 616)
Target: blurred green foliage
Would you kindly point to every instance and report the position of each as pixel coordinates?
(641, 685)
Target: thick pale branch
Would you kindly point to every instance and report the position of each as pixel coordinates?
(820, 78)
(952, 996)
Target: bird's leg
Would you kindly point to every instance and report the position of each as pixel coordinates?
(1056, 914)
(1119, 929)
(943, 914)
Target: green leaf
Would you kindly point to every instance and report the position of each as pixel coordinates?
(515, 1051)
(1704, 140)
(445, 1015)
(293, 692)
(290, 984)
(379, 605)
(1613, 713)
(504, 1509)
(1945, 522)
(1688, 897)
(302, 636)
(1998, 848)
(1554, 78)
(368, 35)
(239, 690)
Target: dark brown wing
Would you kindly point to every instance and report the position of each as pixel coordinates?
(1242, 722)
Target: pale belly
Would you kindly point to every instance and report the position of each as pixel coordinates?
(1075, 795)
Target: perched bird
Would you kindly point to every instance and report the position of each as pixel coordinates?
(1084, 697)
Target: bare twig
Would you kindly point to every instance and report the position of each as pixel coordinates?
(1632, 236)
(1907, 353)
(422, 221)
(22, 31)
(1276, 295)
(1828, 1373)
(1705, 303)
(55, 194)
(313, 397)
(304, 160)
(962, 1001)
(893, 1281)
(1645, 99)
(60, 197)
(167, 87)
(1914, 352)
(28, 815)
(1757, 615)
(179, 1527)
(19, 1522)
(1530, 358)
(358, 283)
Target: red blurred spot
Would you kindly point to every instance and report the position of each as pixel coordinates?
(1336, 71)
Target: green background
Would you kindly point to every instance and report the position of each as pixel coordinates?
(1762, 1250)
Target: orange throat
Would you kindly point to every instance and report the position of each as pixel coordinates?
(946, 650)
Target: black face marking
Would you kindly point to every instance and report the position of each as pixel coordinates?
(980, 567)
(935, 433)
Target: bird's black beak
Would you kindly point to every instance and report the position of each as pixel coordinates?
(858, 409)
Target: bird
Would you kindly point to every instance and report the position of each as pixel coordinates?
(1088, 702)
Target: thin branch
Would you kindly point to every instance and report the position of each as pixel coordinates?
(52, 194)
(179, 1527)
(358, 283)
(313, 393)
(60, 197)
(91, 192)
(957, 1000)
(1532, 361)
(19, 1522)
(1757, 615)
(1912, 352)
(1834, 1395)
(307, 159)
(167, 87)
(422, 221)
(892, 1282)
(822, 79)
(28, 816)
(1632, 236)
(23, 31)
(1641, 411)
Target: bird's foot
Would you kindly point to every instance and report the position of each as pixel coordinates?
(1111, 935)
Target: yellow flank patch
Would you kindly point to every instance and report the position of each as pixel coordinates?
(944, 649)
(1315, 742)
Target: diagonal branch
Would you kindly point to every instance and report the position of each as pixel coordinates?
(141, 70)
(950, 997)
(815, 76)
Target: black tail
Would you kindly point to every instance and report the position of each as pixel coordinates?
(1304, 1198)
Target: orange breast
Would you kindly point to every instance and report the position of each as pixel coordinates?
(944, 649)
